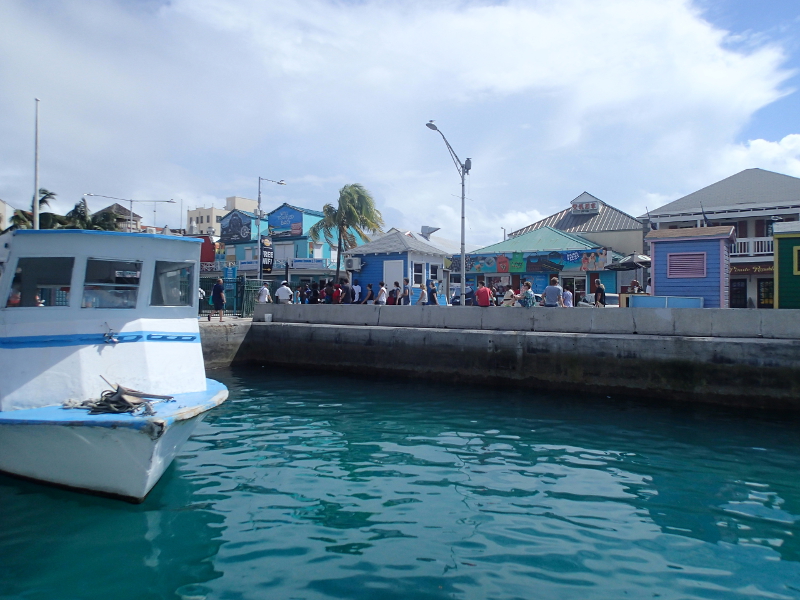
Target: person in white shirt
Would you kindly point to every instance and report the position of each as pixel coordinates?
(567, 296)
(263, 294)
(423, 294)
(356, 291)
(382, 294)
(284, 293)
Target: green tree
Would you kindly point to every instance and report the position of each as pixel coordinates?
(23, 219)
(356, 215)
(80, 217)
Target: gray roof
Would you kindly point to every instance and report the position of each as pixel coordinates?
(396, 241)
(608, 218)
(749, 188)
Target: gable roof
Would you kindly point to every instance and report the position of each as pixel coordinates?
(118, 209)
(543, 238)
(723, 231)
(396, 241)
(608, 218)
(307, 211)
(751, 187)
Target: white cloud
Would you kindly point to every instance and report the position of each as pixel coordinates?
(630, 100)
(782, 156)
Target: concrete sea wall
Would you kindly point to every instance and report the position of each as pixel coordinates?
(746, 359)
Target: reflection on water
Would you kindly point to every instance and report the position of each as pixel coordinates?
(326, 487)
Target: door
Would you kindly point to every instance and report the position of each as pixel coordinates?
(393, 271)
(766, 293)
(738, 293)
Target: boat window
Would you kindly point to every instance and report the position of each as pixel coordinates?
(41, 282)
(111, 283)
(172, 284)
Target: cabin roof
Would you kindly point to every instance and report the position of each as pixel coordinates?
(112, 233)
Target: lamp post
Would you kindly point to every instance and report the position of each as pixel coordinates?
(35, 208)
(463, 171)
(258, 222)
(130, 216)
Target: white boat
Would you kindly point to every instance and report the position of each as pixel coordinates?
(82, 310)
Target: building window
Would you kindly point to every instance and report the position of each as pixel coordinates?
(111, 283)
(172, 284)
(219, 219)
(41, 282)
(208, 218)
(796, 255)
(418, 273)
(435, 272)
(682, 265)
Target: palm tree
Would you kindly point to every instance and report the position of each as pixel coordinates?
(355, 215)
(44, 198)
(80, 217)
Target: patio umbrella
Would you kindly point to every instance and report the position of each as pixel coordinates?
(630, 263)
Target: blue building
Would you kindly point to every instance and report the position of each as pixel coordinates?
(394, 257)
(693, 262)
(287, 226)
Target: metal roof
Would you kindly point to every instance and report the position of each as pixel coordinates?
(396, 241)
(691, 232)
(608, 218)
(543, 238)
(307, 211)
(751, 187)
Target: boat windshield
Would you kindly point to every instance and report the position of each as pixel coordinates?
(41, 282)
(172, 284)
(111, 283)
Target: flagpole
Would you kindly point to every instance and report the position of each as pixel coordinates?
(36, 170)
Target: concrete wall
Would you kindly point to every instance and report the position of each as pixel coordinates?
(734, 371)
(688, 322)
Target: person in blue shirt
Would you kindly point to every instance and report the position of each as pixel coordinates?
(432, 299)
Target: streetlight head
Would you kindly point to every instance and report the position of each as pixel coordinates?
(467, 165)
(281, 182)
(430, 125)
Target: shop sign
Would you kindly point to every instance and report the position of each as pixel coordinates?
(235, 227)
(752, 269)
(248, 265)
(309, 263)
(585, 208)
(267, 255)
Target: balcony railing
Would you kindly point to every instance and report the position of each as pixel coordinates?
(760, 246)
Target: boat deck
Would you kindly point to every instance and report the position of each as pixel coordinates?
(184, 406)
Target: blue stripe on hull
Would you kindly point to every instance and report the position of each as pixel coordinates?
(93, 339)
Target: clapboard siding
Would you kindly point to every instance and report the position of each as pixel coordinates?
(707, 287)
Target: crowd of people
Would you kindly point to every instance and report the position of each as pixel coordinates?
(328, 292)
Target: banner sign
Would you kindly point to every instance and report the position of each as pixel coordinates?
(533, 262)
(248, 265)
(235, 227)
(310, 263)
(267, 255)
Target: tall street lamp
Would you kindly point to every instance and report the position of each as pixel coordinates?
(130, 216)
(258, 223)
(463, 171)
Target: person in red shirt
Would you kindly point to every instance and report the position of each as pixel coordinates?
(483, 295)
(337, 293)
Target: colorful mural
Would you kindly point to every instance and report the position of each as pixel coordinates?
(235, 227)
(534, 262)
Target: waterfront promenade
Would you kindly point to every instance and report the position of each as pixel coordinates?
(735, 357)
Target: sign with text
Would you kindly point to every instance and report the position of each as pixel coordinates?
(752, 269)
(267, 255)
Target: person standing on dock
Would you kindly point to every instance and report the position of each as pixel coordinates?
(369, 298)
(264, 296)
(599, 294)
(567, 298)
(423, 295)
(382, 294)
(347, 292)
(218, 299)
(483, 295)
(553, 294)
(432, 299)
(283, 295)
(356, 292)
(405, 297)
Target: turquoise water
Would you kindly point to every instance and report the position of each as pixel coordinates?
(330, 487)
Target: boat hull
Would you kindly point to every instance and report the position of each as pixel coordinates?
(115, 455)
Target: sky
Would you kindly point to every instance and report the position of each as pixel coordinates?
(638, 102)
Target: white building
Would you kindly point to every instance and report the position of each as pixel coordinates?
(206, 220)
(5, 215)
(752, 201)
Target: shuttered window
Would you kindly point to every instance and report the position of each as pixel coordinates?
(686, 264)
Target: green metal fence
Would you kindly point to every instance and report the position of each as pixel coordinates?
(240, 296)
